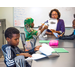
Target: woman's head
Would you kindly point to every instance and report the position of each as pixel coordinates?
(55, 14)
(29, 22)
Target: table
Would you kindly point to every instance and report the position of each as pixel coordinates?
(62, 43)
(65, 59)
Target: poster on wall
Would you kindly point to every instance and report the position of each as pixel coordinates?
(19, 16)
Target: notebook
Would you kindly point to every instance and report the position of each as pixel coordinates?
(44, 41)
(60, 50)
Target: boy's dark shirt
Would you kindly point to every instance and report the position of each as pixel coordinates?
(10, 53)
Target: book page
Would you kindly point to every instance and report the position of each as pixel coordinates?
(46, 49)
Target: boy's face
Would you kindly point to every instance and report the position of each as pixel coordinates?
(32, 24)
(74, 24)
(14, 40)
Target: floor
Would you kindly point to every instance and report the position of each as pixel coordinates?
(2, 64)
(68, 31)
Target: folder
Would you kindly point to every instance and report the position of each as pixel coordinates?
(44, 41)
(60, 50)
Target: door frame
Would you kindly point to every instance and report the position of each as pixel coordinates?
(3, 21)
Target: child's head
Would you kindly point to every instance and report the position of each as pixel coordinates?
(29, 22)
(12, 36)
(73, 24)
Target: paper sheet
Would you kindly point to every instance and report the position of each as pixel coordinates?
(52, 24)
(35, 56)
(56, 34)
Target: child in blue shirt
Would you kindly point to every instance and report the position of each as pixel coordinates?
(68, 37)
(10, 50)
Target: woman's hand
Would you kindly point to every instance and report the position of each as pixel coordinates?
(37, 48)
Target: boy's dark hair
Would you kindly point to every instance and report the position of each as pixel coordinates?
(11, 30)
(57, 13)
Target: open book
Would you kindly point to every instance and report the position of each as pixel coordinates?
(45, 51)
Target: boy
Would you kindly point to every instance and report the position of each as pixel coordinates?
(29, 31)
(11, 50)
(69, 37)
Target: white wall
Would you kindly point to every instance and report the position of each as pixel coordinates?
(41, 14)
(7, 13)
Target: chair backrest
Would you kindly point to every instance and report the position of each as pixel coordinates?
(23, 39)
(20, 61)
(3, 53)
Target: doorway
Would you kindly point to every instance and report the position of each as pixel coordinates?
(2, 29)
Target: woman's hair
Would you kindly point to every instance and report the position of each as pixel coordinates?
(57, 13)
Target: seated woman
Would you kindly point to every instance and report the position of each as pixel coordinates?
(60, 28)
(29, 31)
(68, 37)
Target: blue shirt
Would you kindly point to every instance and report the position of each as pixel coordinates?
(74, 31)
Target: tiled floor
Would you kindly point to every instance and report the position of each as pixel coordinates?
(2, 64)
(67, 32)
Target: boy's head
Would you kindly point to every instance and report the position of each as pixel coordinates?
(12, 36)
(73, 24)
(29, 21)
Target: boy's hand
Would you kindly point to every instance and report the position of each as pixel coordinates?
(46, 27)
(52, 30)
(37, 48)
(59, 36)
(26, 54)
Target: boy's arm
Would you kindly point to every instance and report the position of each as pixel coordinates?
(9, 61)
(67, 37)
(45, 27)
(31, 51)
(25, 54)
(34, 49)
